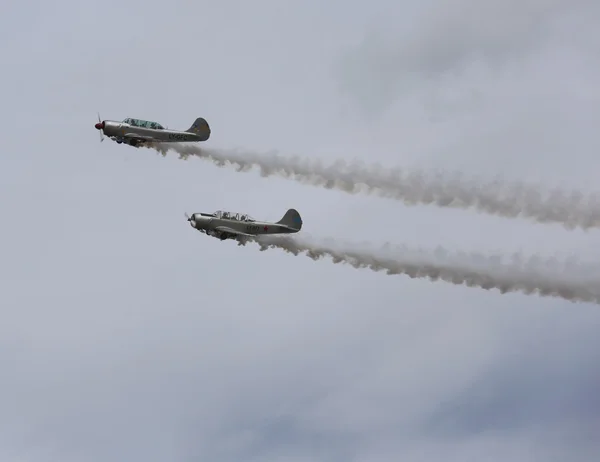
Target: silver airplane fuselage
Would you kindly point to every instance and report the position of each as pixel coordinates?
(138, 133)
(223, 225)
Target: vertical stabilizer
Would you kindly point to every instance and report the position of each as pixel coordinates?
(201, 128)
(292, 220)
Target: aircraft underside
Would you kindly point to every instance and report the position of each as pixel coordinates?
(220, 235)
(131, 141)
(223, 235)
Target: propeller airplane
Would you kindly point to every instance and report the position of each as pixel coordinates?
(137, 132)
(227, 225)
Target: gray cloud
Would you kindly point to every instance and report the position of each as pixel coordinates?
(125, 335)
(443, 39)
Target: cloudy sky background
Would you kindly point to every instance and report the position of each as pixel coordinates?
(126, 335)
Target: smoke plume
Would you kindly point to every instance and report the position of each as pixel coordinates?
(569, 280)
(571, 209)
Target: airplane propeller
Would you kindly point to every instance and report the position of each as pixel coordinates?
(100, 127)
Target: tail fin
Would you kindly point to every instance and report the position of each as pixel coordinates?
(291, 219)
(200, 127)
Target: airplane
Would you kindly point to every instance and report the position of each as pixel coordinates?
(226, 225)
(137, 132)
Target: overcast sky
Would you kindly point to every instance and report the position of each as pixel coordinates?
(125, 335)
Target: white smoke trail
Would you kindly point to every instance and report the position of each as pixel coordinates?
(571, 209)
(546, 277)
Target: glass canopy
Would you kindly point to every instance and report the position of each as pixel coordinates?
(232, 216)
(143, 123)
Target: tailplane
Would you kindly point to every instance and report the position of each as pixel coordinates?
(292, 220)
(200, 127)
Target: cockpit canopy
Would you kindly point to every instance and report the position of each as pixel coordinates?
(143, 123)
(232, 216)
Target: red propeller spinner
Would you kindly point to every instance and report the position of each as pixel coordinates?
(100, 126)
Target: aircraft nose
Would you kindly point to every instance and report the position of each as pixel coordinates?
(99, 125)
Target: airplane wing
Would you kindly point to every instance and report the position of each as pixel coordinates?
(138, 137)
(225, 229)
